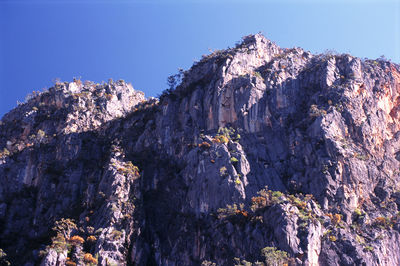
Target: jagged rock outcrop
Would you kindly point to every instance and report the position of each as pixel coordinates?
(96, 173)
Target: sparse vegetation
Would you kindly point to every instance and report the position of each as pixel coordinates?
(70, 263)
(129, 169)
(315, 111)
(273, 256)
(220, 139)
(384, 222)
(266, 198)
(204, 145)
(3, 258)
(76, 240)
(368, 248)
(4, 153)
(231, 210)
(234, 160)
(237, 181)
(116, 235)
(65, 227)
(258, 75)
(88, 258)
(91, 239)
(223, 171)
(208, 263)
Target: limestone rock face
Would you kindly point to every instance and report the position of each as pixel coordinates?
(259, 147)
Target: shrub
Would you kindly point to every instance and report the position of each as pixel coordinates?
(220, 139)
(99, 231)
(277, 194)
(368, 248)
(239, 262)
(223, 171)
(336, 219)
(358, 212)
(205, 145)
(231, 210)
(64, 227)
(32, 95)
(273, 256)
(258, 203)
(266, 198)
(315, 111)
(91, 239)
(58, 243)
(76, 240)
(70, 263)
(88, 258)
(4, 153)
(297, 202)
(237, 181)
(109, 96)
(227, 132)
(129, 169)
(208, 263)
(383, 221)
(116, 234)
(234, 160)
(3, 258)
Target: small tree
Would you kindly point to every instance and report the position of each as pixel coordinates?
(65, 227)
(174, 80)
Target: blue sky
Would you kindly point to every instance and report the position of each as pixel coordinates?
(143, 42)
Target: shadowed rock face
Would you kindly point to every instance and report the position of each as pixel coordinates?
(181, 181)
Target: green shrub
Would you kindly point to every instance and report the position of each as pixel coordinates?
(358, 212)
(234, 160)
(237, 181)
(232, 210)
(266, 198)
(274, 256)
(277, 194)
(223, 171)
(220, 139)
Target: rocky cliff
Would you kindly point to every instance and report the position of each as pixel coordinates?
(260, 156)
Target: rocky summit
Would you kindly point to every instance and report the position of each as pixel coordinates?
(256, 155)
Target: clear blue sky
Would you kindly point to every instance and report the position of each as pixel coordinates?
(143, 42)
